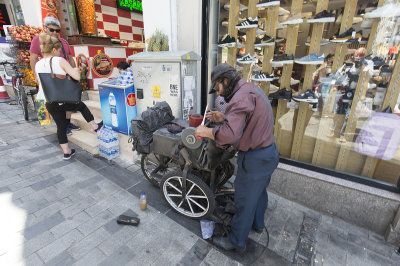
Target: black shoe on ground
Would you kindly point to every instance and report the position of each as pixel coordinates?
(282, 94)
(226, 244)
(73, 127)
(258, 231)
(283, 59)
(68, 156)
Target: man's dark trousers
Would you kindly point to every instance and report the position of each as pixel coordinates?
(254, 172)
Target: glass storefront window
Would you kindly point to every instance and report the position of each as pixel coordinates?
(339, 108)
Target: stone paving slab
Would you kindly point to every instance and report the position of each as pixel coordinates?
(64, 213)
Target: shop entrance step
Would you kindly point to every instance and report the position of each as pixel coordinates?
(85, 140)
(95, 108)
(77, 119)
(93, 95)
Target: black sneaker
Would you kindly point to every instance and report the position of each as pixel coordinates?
(69, 132)
(68, 156)
(283, 59)
(308, 97)
(282, 94)
(263, 77)
(343, 37)
(248, 23)
(348, 96)
(227, 41)
(264, 41)
(73, 127)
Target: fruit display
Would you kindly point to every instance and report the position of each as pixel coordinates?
(29, 79)
(23, 58)
(86, 14)
(24, 33)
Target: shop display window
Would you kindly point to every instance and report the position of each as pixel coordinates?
(331, 72)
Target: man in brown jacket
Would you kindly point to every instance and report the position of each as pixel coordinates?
(248, 125)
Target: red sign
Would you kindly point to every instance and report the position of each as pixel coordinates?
(48, 9)
(130, 99)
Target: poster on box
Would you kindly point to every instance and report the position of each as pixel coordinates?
(118, 107)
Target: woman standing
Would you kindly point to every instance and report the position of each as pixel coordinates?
(50, 47)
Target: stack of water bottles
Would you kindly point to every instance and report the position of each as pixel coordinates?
(125, 78)
(108, 143)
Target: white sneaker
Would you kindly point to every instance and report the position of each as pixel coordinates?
(247, 59)
(385, 11)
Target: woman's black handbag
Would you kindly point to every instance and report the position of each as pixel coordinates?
(60, 88)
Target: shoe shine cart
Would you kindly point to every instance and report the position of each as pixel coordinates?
(190, 172)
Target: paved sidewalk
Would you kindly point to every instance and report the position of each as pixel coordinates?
(59, 212)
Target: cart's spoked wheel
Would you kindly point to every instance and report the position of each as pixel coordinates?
(149, 163)
(199, 201)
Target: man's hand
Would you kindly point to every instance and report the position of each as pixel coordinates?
(202, 131)
(215, 116)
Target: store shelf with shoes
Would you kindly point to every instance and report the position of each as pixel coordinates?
(311, 59)
(322, 17)
(227, 41)
(293, 20)
(267, 3)
(264, 41)
(247, 59)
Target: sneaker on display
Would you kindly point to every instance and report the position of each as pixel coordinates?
(293, 19)
(321, 17)
(385, 11)
(266, 3)
(282, 94)
(263, 77)
(283, 59)
(247, 59)
(356, 37)
(308, 97)
(341, 38)
(241, 7)
(312, 59)
(348, 96)
(227, 41)
(248, 23)
(264, 41)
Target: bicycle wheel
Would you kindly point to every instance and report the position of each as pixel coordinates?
(149, 162)
(24, 102)
(15, 84)
(199, 201)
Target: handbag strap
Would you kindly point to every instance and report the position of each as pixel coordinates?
(51, 67)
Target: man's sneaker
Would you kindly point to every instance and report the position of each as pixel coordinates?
(73, 127)
(283, 59)
(263, 77)
(388, 10)
(248, 23)
(348, 96)
(264, 41)
(307, 97)
(241, 7)
(265, 3)
(282, 94)
(343, 37)
(293, 19)
(247, 59)
(227, 41)
(312, 59)
(69, 132)
(322, 17)
(68, 156)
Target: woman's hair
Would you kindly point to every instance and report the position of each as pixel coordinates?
(122, 65)
(48, 42)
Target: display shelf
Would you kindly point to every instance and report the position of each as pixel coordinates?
(290, 49)
(304, 112)
(232, 31)
(250, 36)
(322, 144)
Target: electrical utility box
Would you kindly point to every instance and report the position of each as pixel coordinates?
(167, 76)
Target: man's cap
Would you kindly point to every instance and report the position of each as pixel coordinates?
(51, 21)
(220, 71)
